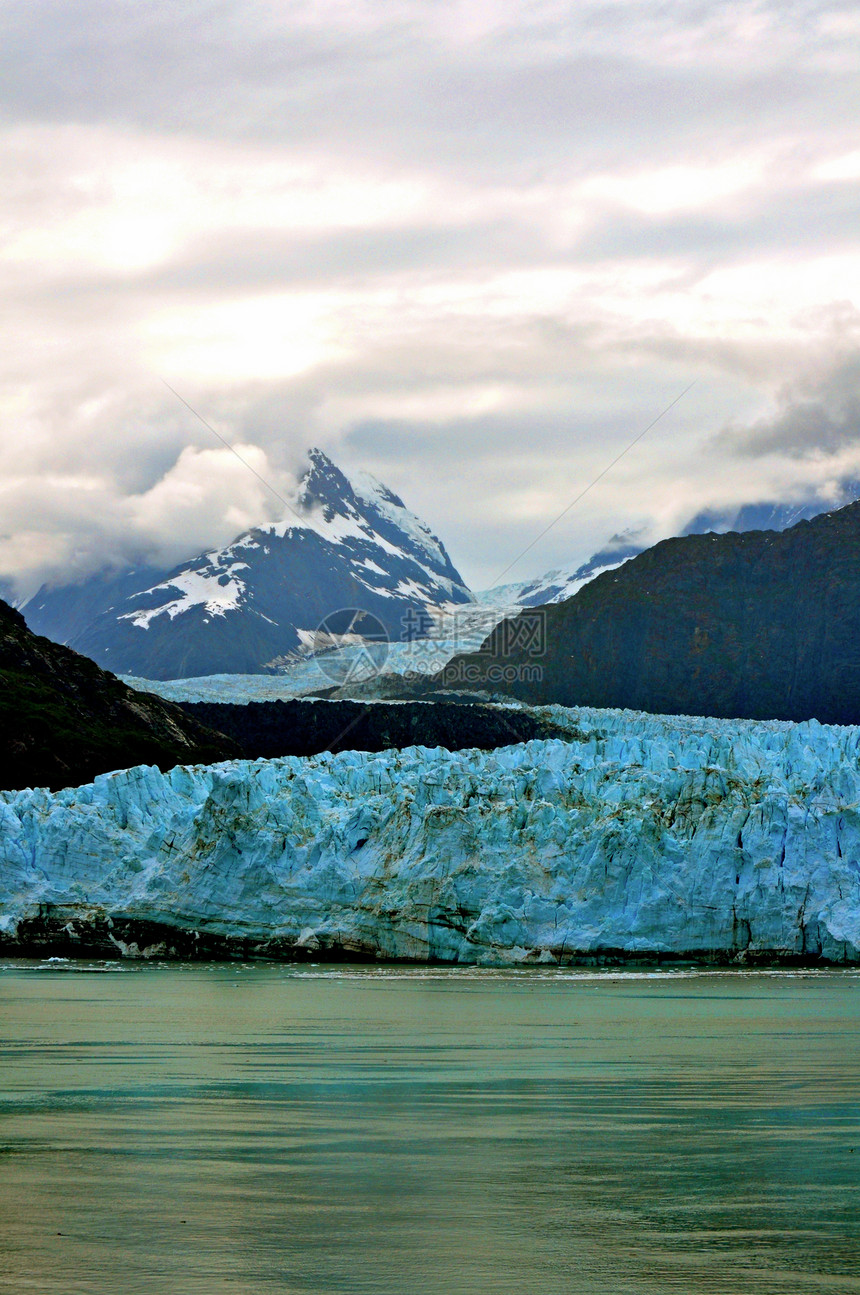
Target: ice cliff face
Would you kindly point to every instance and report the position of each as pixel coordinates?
(640, 835)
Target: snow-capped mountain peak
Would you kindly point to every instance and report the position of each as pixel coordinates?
(349, 543)
(386, 504)
(354, 511)
(563, 582)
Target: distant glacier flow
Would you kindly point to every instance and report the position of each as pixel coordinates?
(639, 836)
(452, 629)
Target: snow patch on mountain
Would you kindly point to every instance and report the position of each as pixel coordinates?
(219, 591)
(562, 582)
(389, 505)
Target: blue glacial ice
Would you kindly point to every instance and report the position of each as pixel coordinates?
(640, 835)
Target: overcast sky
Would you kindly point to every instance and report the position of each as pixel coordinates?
(474, 248)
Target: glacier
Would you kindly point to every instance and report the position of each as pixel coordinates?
(455, 628)
(639, 836)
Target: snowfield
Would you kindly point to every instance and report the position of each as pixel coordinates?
(641, 835)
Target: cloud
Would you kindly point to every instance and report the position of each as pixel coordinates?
(471, 247)
(177, 513)
(69, 525)
(816, 417)
(473, 81)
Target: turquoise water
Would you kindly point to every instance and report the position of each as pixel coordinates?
(263, 1128)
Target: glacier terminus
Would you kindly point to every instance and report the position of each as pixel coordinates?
(639, 836)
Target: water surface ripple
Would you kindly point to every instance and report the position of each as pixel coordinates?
(213, 1128)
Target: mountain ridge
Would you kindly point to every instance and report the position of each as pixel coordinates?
(754, 625)
(63, 720)
(560, 583)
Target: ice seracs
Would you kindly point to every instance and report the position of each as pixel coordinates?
(640, 836)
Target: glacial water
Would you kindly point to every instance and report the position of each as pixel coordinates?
(253, 1129)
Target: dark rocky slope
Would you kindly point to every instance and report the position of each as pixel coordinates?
(63, 720)
(761, 625)
(273, 728)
